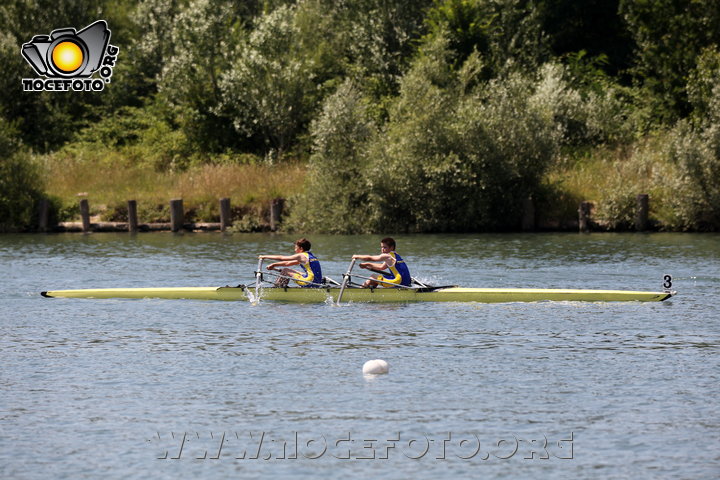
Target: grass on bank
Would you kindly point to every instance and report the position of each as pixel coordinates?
(109, 184)
(612, 178)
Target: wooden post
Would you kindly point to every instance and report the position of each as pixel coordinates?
(225, 220)
(276, 208)
(641, 213)
(584, 216)
(43, 215)
(528, 218)
(85, 215)
(132, 216)
(177, 216)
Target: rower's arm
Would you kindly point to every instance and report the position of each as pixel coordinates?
(371, 258)
(376, 267)
(387, 261)
(283, 258)
(287, 263)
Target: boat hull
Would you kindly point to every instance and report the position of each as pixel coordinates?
(376, 295)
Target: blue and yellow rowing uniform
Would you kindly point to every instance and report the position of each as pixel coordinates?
(312, 278)
(399, 273)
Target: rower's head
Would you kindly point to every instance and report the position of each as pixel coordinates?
(303, 244)
(387, 245)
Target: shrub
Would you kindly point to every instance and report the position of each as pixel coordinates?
(456, 153)
(457, 160)
(141, 136)
(696, 191)
(20, 181)
(335, 190)
(20, 191)
(694, 153)
(268, 91)
(678, 169)
(624, 179)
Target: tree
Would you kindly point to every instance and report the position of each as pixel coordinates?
(20, 183)
(458, 154)
(204, 36)
(335, 191)
(670, 34)
(269, 90)
(381, 37)
(149, 47)
(507, 33)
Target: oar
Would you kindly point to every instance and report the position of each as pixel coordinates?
(346, 278)
(418, 283)
(258, 279)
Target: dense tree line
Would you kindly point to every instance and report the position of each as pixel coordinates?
(413, 115)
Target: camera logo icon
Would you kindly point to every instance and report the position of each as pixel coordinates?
(67, 54)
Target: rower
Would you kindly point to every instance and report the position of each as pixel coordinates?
(399, 273)
(311, 274)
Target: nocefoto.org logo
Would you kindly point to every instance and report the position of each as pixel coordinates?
(68, 59)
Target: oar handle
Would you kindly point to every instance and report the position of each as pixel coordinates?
(346, 278)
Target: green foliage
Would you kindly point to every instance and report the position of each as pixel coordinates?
(507, 33)
(248, 222)
(143, 136)
(670, 35)
(594, 115)
(470, 24)
(20, 190)
(144, 51)
(704, 87)
(336, 192)
(154, 213)
(380, 39)
(695, 198)
(469, 160)
(204, 39)
(679, 169)
(20, 182)
(9, 142)
(268, 91)
(623, 181)
(451, 159)
(587, 71)
(694, 153)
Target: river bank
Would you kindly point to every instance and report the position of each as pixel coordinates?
(269, 217)
(605, 189)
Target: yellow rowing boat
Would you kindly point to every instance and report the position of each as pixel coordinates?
(374, 295)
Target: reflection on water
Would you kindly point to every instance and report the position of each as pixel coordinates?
(107, 387)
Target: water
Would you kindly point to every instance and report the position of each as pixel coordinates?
(153, 388)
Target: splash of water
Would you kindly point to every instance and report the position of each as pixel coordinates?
(252, 297)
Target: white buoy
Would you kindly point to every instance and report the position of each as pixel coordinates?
(375, 367)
